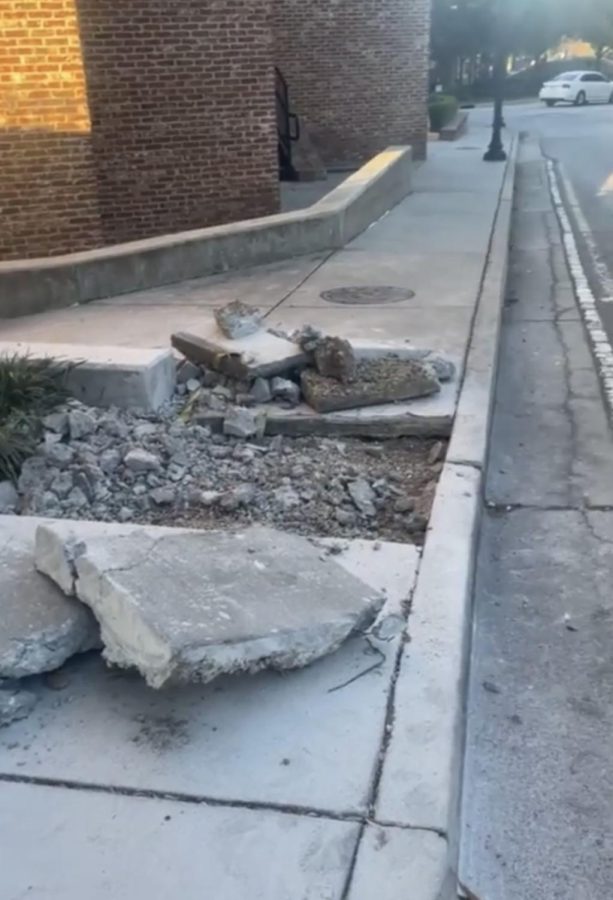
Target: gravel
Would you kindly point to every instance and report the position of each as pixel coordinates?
(167, 469)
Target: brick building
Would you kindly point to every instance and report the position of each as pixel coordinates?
(123, 119)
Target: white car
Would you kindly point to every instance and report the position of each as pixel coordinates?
(578, 88)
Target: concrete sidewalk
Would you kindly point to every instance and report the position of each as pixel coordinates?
(272, 786)
(432, 244)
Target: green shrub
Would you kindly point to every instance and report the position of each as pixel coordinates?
(441, 109)
(28, 391)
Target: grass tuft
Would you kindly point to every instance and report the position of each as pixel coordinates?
(28, 391)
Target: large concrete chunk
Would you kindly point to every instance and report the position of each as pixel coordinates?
(39, 626)
(376, 382)
(260, 355)
(194, 605)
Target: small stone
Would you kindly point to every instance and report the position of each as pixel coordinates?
(139, 460)
(260, 391)
(306, 337)
(404, 505)
(240, 422)
(208, 498)
(57, 422)
(215, 402)
(286, 498)
(139, 490)
(110, 460)
(363, 496)
(52, 438)
(60, 455)
(58, 680)
(9, 498)
(286, 390)
(192, 385)
(15, 704)
(187, 371)
(125, 514)
(237, 319)
(239, 496)
(436, 452)
(145, 430)
(162, 496)
(49, 503)
(112, 425)
(334, 358)
(221, 390)
(80, 424)
(76, 499)
(62, 484)
(219, 451)
(344, 516)
(181, 390)
(176, 472)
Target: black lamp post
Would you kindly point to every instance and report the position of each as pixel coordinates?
(495, 152)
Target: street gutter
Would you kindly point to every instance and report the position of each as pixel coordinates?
(420, 784)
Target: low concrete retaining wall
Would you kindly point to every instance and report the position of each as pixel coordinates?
(456, 128)
(31, 286)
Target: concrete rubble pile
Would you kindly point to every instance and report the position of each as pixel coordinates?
(269, 367)
(184, 604)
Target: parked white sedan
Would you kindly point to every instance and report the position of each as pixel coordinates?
(578, 88)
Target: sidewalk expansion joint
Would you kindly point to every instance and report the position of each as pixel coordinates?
(181, 797)
(296, 287)
(581, 508)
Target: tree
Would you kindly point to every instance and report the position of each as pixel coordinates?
(471, 29)
(594, 24)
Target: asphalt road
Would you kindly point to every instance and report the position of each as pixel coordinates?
(537, 811)
(581, 139)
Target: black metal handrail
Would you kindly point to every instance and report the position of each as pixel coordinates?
(288, 127)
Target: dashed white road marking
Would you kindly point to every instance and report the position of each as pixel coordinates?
(586, 232)
(587, 302)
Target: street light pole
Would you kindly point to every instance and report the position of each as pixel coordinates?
(495, 152)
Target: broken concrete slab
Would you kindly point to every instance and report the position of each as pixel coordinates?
(238, 319)
(258, 355)
(376, 382)
(310, 738)
(126, 377)
(241, 601)
(39, 626)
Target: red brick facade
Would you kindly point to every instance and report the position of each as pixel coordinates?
(48, 196)
(183, 125)
(357, 72)
(124, 119)
(154, 116)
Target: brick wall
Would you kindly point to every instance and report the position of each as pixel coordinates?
(357, 72)
(154, 116)
(48, 199)
(181, 100)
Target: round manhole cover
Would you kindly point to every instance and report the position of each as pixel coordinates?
(367, 296)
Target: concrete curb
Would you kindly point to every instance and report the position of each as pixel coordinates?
(36, 285)
(420, 785)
